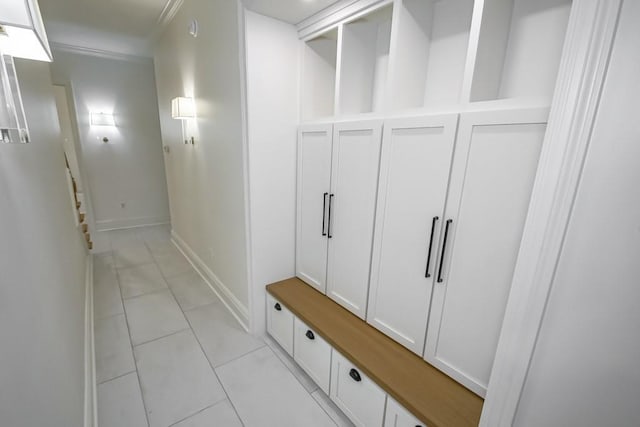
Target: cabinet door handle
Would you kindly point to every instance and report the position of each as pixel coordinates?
(355, 375)
(277, 307)
(433, 228)
(331, 196)
(310, 335)
(324, 212)
(444, 249)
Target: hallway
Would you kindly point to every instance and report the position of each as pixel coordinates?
(169, 353)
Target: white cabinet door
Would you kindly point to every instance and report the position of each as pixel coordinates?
(314, 174)
(397, 416)
(313, 354)
(494, 167)
(414, 174)
(280, 324)
(362, 400)
(352, 204)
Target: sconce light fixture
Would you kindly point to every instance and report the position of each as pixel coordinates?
(13, 122)
(22, 35)
(102, 119)
(183, 109)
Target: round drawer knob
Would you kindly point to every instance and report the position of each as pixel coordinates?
(277, 307)
(310, 335)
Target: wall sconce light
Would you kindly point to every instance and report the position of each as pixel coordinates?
(183, 109)
(102, 119)
(13, 123)
(22, 35)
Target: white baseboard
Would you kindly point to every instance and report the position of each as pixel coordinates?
(117, 224)
(233, 304)
(90, 385)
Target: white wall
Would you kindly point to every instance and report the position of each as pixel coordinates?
(42, 272)
(586, 366)
(130, 168)
(272, 61)
(206, 180)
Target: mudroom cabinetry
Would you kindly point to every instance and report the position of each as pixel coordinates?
(423, 122)
(337, 186)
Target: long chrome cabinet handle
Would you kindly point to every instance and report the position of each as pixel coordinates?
(324, 212)
(329, 225)
(433, 227)
(444, 249)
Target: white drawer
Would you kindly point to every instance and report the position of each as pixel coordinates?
(397, 416)
(313, 354)
(280, 324)
(359, 397)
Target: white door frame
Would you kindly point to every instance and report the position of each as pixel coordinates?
(588, 44)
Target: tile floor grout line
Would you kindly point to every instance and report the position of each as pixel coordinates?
(200, 307)
(144, 294)
(241, 356)
(196, 413)
(159, 338)
(135, 362)
(127, 267)
(209, 362)
(284, 355)
(117, 377)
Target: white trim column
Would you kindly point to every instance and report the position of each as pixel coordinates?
(588, 44)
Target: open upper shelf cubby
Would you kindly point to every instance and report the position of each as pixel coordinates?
(519, 47)
(430, 51)
(364, 62)
(319, 76)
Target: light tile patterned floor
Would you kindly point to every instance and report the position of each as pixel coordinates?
(169, 353)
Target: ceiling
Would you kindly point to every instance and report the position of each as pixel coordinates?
(123, 26)
(128, 26)
(291, 11)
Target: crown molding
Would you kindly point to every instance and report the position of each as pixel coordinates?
(100, 53)
(170, 10)
(334, 14)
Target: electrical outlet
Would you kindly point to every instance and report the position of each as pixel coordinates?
(123, 205)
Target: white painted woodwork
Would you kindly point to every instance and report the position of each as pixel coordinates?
(354, 181)
(429, 49)
(312, 354)
(591, 35)
(364, 62)
(362, 401)
(584, 369)
(314, 175)
(397, 416)
(272, 117)
(519, 45)
(280, 324)
(414, 174)
(318, 85)
(494, 167)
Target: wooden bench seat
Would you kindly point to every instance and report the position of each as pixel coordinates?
(430, 395)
